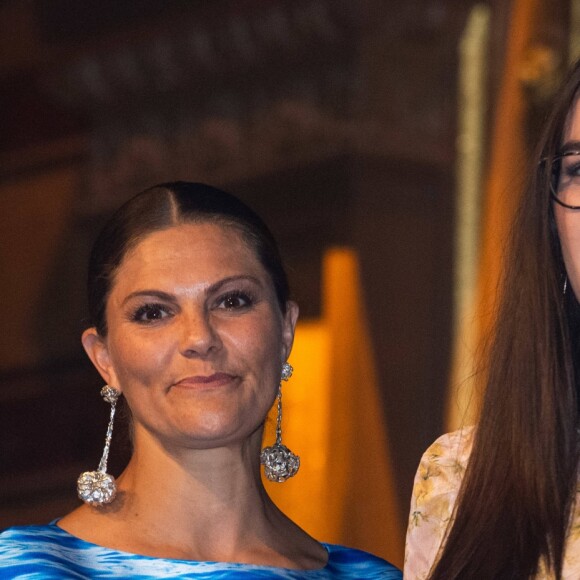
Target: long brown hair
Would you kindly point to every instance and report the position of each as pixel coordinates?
(516, 498)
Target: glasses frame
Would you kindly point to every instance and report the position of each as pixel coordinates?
(553, 193)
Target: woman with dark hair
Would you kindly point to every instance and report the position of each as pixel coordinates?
(500, 500)
(192, 325)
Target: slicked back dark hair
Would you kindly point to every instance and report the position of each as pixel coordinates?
(164, 206)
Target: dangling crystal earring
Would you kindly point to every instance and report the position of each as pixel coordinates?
(565, 285)
(98, 488)
(278, 461)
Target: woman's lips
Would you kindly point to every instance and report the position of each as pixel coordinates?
(205, 381)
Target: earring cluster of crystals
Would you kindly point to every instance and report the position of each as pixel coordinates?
(98, 488)
(278, 461)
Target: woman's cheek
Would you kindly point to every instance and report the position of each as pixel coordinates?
(568, 222)
(139, 360)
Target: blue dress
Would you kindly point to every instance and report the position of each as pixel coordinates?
(47, 552)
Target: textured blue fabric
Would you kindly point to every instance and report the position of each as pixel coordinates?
(48, 552)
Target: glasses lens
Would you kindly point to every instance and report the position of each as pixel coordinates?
(566, 184)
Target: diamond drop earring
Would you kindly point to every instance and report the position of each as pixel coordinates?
(278, 461)
(98, 488)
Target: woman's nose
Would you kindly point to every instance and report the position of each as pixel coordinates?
(199, 335)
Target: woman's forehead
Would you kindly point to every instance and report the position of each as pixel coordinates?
(192, 233)
(571, 130)
(188, 253)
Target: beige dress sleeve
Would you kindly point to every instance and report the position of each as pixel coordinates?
(435, 491)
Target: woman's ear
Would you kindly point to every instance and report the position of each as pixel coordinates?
(289, 328)
(97, 350)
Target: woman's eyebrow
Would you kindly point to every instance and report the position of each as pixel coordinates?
(570, 146)
(156, 293)
(215, 287)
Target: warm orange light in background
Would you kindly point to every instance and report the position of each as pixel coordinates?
(501, 197)
(31, 238)
(344, 492)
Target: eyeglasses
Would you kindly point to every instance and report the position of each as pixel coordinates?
(565, 182)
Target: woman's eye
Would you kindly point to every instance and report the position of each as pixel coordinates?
(572, 171)
(235, 301)
(150, 313)
(571, 165)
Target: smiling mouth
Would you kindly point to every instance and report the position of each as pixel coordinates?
(206, 381)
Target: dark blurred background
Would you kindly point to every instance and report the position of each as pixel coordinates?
(337, 120)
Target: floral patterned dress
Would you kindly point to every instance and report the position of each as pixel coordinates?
(435, 491)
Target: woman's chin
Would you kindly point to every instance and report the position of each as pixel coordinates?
(205, 434)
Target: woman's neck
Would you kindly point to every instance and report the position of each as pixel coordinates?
(196, 495)
(198, 504)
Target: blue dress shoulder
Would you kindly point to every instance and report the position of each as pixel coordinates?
(47, 552)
